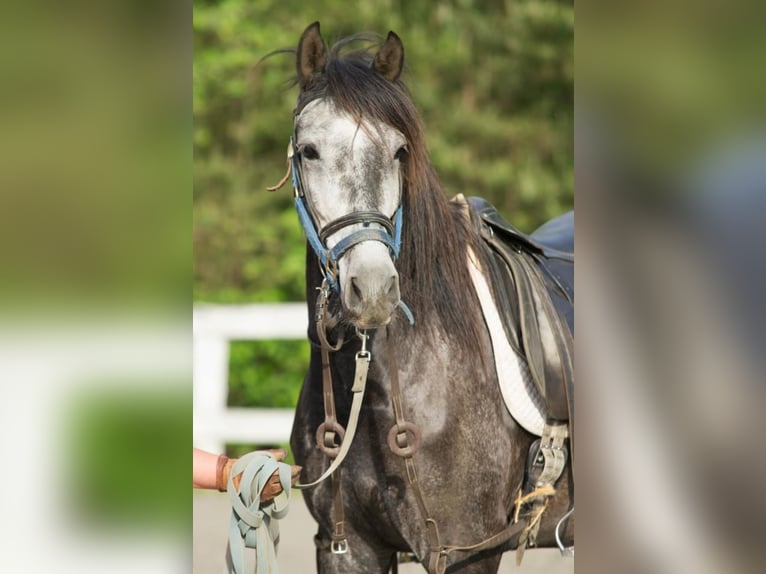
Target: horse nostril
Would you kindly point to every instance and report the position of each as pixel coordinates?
(356, 289)
(392, 287)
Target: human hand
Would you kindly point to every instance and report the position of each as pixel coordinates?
(273, 486)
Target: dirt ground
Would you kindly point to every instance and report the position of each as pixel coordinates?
(296, 549)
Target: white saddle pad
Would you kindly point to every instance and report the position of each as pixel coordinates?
(521, 397)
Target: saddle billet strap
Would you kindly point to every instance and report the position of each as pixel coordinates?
(530, 329)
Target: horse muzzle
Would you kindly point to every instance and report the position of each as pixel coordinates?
(371, 294)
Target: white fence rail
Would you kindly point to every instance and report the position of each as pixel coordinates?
(215, 326)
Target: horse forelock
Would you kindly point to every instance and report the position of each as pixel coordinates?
(434, 278)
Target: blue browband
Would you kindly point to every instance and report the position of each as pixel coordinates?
(330, 257)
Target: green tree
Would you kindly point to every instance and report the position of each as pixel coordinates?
(493, 81)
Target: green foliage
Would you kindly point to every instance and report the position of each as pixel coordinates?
(124, 456)
(267, 372)
(493, 81)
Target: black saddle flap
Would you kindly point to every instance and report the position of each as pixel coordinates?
(554, 239)
(532, 278)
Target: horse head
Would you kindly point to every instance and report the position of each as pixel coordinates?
(347, 173)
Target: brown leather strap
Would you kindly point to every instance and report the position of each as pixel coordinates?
(494, 541)
(321, 318)
(221, 478)
(327, 393)
(437, 552)
(353, 419)
(437, 560)
(328, 430)
(339, 529)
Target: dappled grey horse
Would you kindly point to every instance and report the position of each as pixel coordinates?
(402, 394)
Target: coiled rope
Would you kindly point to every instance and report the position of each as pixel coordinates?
(254, 525)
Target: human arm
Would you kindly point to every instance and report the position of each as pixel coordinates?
(212, 471)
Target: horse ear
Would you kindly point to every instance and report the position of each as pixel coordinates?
(389, 60)
(311, 56)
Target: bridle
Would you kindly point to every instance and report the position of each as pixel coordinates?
(389, 233)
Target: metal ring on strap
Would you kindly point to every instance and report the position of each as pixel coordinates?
(325, 436)
(398, 439)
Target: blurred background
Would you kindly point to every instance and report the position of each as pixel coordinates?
(671, 190)
(95, 173)
(95, 295)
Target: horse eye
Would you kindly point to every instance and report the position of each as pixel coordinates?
(401, 153)
(309, 152)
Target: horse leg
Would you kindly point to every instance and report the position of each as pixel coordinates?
(363, 555)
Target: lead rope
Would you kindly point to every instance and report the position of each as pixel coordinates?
(253, 525)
